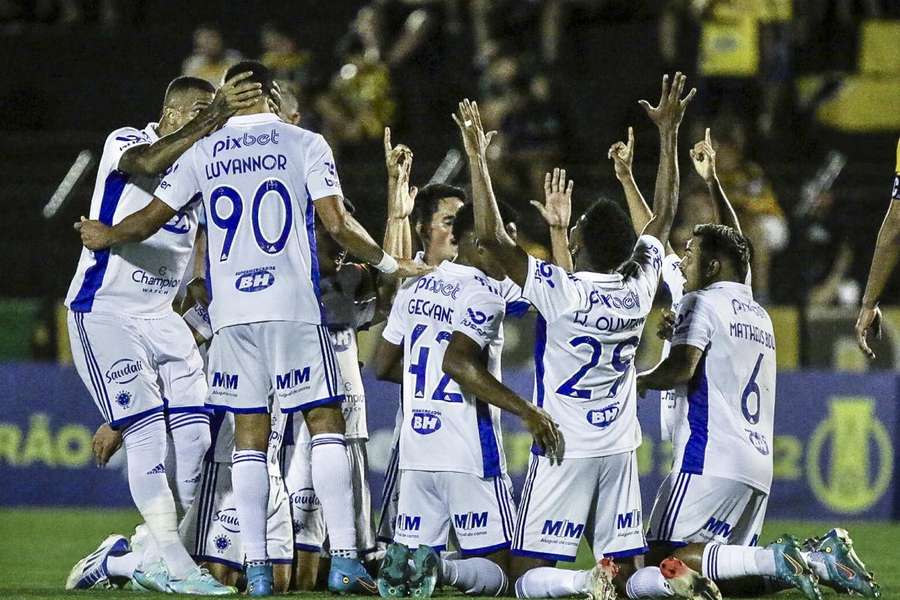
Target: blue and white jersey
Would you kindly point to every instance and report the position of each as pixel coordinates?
(673, 279)
(139, 279)
(444, 428)
(259, 178)
(589, 328)
(726, 413)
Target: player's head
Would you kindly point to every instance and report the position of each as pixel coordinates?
(435, 210)
(260, 74)
(603, 238)
(470, 251)
(185, 96)
(289, 109)
(715, 253)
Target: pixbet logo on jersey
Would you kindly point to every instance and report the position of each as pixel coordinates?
(255, 280)
(245, 141)
(124, 370)
(425, 421)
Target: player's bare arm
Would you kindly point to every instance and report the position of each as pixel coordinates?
(348, 232)
(667, 116)
(676, 369)
(136, 227)
(463, 363)
(703, 155)
(153, 159)
(389, 362)
(489, 227)
(887, 251)
(557, 212)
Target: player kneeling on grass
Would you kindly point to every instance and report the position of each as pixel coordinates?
(443, 342)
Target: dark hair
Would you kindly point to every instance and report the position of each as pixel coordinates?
(465, 218)
(722, 241)
(607, 235)
(187, 84)
(261, 74)
(429, 198)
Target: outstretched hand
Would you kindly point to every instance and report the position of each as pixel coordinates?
(468, 119)
(622, 155)
(668, 113)
(557, 206)
(868, 321)
(703, 155)
(395, 156)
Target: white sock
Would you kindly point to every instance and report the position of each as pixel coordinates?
(250, 481)
(331, 480)
(145, 449)
(550, 582)
(124, 565)
(647, 582)
(730, 562)
(817, 564)
(474, 576)
(191, 439)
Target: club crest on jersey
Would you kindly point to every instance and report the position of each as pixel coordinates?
(425, 422)
(228, 519)
(603, 417)
(245, 141)
(478, 317)
(222, 542)
(305, 499)
(123, 398)
(254, 281)
(758, 441)
(124, 370)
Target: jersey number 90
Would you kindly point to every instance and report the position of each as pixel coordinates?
(226, 208)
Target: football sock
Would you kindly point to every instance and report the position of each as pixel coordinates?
(250, 481)
(730, 562)
(817, 564)
(647, 582)
(550, 582)
(124, 565)
(331, 480)
(474, 576)
(191, 439)
(145, 448)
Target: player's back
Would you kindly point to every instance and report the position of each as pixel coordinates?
(444, 428)
(727, 411)
(259, 177)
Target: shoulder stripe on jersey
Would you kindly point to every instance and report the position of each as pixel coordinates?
(698, 419)
(540, 346)
(490, 453)
(310, 216)
(93, 276)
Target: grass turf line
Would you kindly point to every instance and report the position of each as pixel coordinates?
(41, 545)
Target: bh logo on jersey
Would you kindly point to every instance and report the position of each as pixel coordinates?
(408, 523)
(305, 499)
(603, 417)
(228, 519)
(245, 141)
(470, 521)
(425, 422)
(254, 281)
(124, 370)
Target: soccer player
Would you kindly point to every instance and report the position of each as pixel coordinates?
(590, 326)
(124, 333)
(444, 330)
(263, 182)
(887, 250)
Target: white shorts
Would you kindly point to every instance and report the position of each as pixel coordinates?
(354, 405)
(480, 511)
(699, 508)
(295, 360)
(133, 367)
(598, 498)
(211, 531)
(390, 496)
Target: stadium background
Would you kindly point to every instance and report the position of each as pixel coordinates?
(806, 89)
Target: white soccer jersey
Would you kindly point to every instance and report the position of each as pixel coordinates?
(673, 279)
(259, 178)
(445, 429)
(588, 332)
(726, 413)
(139, 279)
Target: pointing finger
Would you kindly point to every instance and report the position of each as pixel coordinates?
(630, 137)
(387, 139)
(708, 139)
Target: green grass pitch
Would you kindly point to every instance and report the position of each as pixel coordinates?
(40, 546)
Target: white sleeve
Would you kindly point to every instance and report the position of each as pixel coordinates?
(479, 315)
(121, 141)
(648, 253)
(553, 291)
(672, 277)
(695, 323)
(321, 172)
(179, 184)
(394, 327)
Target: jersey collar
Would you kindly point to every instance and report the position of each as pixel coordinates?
(599, 277)
(253, 119)
(460, 270)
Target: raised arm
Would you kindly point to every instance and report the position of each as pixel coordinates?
(667, 116)
(887, 251)
(153, 159)
(464, 364)
(557, 212)
(489, 227)
(703, 155)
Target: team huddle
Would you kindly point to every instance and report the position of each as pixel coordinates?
(213, 319)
